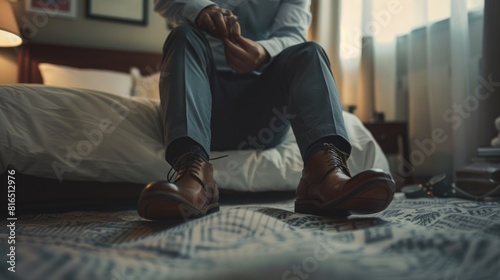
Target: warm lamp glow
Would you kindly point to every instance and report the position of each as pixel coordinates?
(9, 31)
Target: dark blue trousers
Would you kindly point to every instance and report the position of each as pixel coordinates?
(230, 111)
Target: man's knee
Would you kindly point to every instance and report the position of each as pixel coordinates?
(184, 33)
(311, 46)
(308, 50)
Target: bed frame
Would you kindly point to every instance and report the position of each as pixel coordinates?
(35, 194)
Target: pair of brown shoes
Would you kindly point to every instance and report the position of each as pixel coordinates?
(326, 189)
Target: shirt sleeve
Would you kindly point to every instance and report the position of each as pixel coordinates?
(181, 11)
(289, 27)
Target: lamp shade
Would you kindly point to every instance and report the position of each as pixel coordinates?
(9, 31)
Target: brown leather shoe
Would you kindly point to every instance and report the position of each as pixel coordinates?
(193, 194)
(327, 189)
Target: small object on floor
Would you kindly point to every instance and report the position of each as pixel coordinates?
(489, 152)
(493, 195)
(437, 186)
(478, 181)
(495, 142)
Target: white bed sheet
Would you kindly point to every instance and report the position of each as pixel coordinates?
(84, 135)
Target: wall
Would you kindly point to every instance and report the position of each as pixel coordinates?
(84, 31)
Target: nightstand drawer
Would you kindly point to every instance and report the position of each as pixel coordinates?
(392, 138)
(387, 139)
(387, 135)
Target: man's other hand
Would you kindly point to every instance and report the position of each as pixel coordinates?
(244, 55)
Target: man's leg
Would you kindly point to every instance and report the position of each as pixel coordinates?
(300, 78)
(186, 80)
(186, 85)
(296, 88)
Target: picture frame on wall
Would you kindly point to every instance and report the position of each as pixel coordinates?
(125, 11)
(59, 8)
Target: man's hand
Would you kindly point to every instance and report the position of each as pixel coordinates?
(216, 21)
(244, 55)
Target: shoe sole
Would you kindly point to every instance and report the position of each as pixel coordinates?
(159, 206)
(374, 195)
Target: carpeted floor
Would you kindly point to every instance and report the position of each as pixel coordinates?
(412, 239)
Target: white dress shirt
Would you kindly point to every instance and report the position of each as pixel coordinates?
(275, 24)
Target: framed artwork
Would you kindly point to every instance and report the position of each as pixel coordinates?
(126, 11)
(60, 8)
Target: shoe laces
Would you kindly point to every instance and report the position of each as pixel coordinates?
(336, 158)
(187, 163)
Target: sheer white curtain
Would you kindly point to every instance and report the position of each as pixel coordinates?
(415, 61)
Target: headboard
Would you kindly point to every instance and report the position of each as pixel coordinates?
(82, 57)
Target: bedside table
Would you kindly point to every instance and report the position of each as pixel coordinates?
(393, 139)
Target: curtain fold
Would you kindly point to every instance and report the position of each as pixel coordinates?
(366, 82)
(490, 71)
(325, 29)
(464, 142)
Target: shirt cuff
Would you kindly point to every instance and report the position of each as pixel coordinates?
(271, 46)
(193, 9)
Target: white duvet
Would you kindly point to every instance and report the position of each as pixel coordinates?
(76, 134)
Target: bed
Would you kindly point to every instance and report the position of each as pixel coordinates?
(79, 221)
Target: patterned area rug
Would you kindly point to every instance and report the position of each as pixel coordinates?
(412, 239)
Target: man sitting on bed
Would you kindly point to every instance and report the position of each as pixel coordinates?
(236, 75)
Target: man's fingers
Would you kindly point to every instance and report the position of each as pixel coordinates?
(205, 22)
(236, 64)
(244, 43)
(234, 49)
(244, 55)
(226, 12)
(220, 23)
(235, 30)
(255, 50)
(239, 60)
(233, 56)
(229, 45)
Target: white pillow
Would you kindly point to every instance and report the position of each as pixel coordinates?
(100, 80)
(145, 86)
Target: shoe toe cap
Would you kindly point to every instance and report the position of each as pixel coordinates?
(163, 186)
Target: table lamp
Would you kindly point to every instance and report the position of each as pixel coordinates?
(9, 31)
